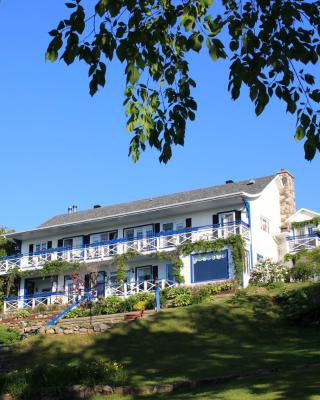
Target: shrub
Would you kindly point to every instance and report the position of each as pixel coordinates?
(182, 300)
(8, 336)
(302, 305)
(78, 312)
(30, 383)
(140, 306)
(41, 308)
(302, 272)
(147, 297)
(109, 305)
(267, 271)
(22, 313)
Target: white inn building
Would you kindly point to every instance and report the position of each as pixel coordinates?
(261, 210)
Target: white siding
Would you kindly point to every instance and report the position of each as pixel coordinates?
(267, 205)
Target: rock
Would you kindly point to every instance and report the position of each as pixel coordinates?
(164, 388)
(96, 329)
(6, 396)
(98, 389)
(68, 331)
(42, 330)
(50, 331)
(143, 390)
(123, 390)
(104, 327)
(107, 389)
(58, 330)
(83, 330)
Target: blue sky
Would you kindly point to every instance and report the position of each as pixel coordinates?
(60, 147)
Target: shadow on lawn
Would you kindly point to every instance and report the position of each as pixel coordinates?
(188, 343)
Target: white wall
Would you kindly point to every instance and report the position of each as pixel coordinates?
(267, 205)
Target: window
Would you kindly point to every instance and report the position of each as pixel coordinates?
(300, 231)
(103, 237)
(144, 273)
(138, 232)
(210, 266)
(41, 246)
(265, 224)
(285, 181)
(167, 227)
(129, 234)
(260, 257)
(169, 270)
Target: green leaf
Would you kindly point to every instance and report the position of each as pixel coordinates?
(309, 149)
(132, 74)
(51, 55)
(309, 79)
(300, 133)
(71, 5)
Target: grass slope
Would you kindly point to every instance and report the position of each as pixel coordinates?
(196, 341)
(290, 385)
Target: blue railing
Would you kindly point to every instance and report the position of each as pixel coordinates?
(298, 237)
(36, 295)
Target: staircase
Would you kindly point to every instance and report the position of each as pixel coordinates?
(54, 320)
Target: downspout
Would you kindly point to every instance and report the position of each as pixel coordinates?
(247, 205)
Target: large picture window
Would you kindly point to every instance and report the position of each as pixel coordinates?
(210, 266)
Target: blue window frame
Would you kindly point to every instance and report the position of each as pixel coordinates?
(209, 266)
(169, 273)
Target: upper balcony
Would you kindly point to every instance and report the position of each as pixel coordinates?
(104, 251)
(299, 242)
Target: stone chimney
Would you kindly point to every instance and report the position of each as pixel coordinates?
(287, 197)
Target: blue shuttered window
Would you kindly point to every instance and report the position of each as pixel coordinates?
(210, 266)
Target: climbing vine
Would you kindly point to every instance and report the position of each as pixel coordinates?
(204, 246)
(121, 260)
(175, 261)
(52, 268)
(300, 224)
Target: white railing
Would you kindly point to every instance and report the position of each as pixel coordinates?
(308, 242)
(106, 250)
(13, 304)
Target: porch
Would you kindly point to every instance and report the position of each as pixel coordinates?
(308, 242)
(65, 298)
(104, 251)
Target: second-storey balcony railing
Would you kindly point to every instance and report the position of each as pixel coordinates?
(106, 250)
(308, 242)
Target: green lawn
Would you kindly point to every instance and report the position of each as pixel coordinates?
(186, 343)
(293, 385)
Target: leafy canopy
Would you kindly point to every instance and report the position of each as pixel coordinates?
(269, 45)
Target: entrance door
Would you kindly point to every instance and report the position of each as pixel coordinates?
(227, 223)
(101, 279)
(68, 287)
(29, 287)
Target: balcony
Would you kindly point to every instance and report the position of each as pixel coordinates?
(97, 252)
(308, 242)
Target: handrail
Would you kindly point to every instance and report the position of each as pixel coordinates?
(125, 240)
(297, 237)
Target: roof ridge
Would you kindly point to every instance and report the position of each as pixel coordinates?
(98, 212)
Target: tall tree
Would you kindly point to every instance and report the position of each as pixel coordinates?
(270, 45)
(7, 246)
